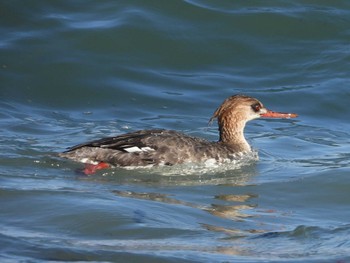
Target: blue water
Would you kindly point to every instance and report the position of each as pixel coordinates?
(76, 71)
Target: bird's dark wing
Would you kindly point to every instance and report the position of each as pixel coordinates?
(124, 142)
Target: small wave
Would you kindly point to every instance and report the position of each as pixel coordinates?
(237, 172)
(211, 166)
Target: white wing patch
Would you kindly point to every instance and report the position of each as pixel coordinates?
(135, 149)
(147, 149)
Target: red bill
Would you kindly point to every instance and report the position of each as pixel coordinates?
(273, 114)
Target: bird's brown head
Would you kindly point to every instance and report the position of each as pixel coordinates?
(245, 108)
(236, 110)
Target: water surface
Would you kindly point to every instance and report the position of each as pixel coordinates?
(72, 72)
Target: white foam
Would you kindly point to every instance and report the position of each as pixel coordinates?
(209, 166)
(87, 160)
(210, 162)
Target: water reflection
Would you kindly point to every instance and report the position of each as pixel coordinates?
(233, 213)
(233, 209)
(164, 198)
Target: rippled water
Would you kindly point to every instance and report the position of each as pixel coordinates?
(82, 70)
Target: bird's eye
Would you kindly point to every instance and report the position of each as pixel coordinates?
(256, 107)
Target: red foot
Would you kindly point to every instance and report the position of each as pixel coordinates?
(92, 168)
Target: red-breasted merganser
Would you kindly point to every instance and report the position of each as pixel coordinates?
(167, 147)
